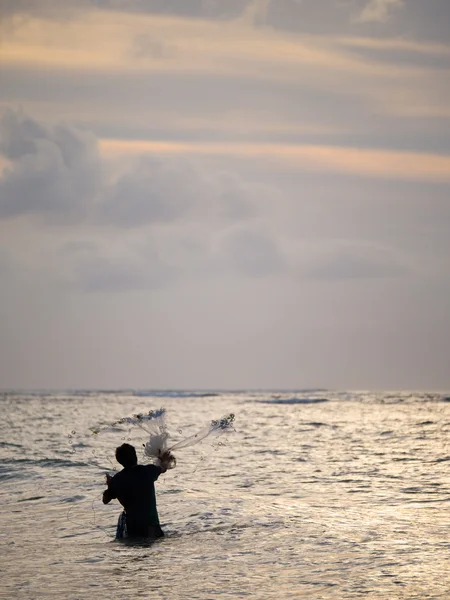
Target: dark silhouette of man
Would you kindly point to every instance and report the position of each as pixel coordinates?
(134, 488)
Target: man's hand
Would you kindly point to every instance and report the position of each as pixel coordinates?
(106, 497)
(165, 459)
(107, 494)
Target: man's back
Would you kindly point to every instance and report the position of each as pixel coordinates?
(135, 489)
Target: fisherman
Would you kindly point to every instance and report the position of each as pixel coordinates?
(134, 488)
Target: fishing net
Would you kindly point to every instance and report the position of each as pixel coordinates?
(159, 443)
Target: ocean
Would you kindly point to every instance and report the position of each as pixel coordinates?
(317, 494)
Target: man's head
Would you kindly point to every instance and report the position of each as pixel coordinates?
(126, 455)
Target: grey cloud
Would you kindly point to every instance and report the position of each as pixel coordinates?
(235, 199)
(52, 171)
(145, 46)
(153, 190)
(172, 254)
(250, 251)
(355, 261)
(409, 57)
(13, 12)
(378, 11)
(163, 103)
(57, 174)
(163, 190)
(216, 9)
(102, 274)
(104, 267)
(308, 16)
(428, 20)
(419, 19)
(7, 265)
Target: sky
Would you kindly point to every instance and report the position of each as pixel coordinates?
(225, 194)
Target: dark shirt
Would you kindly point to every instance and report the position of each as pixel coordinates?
(134, 488)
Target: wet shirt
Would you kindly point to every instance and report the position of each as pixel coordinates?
(134, 488)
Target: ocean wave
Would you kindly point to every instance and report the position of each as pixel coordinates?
(32, 498)
(9, 445)
(293, 401)
(8, 474)
(42, 462)
(442, 459)
(174, 394)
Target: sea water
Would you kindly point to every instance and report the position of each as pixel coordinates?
(317, 495)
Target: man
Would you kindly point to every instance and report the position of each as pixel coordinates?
(134, 488)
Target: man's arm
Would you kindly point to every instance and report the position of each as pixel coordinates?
(166, 460)
(157, 470)
(108, 495)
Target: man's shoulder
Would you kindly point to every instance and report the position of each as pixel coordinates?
(123, 477)
(117, 476)
(151, 468)
(138, 470)
(152, 471)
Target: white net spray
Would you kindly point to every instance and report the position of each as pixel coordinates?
(158, 443)
(158, 446)
(223, 425)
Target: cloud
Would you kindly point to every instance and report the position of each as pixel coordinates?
(152, 190)
(237, 200)
(56, 173)
(250, 251)
(167, 188)
(199, 69)
(173, 254)
(396, 44)
(351, 260)
(146, 46)
(255, 12)
(45, 8)
(15, 14)
(105, 267)
(146, 220)
(188, 46)
(51, 171)
(353, 161)
(378, 11)
(6, 265)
